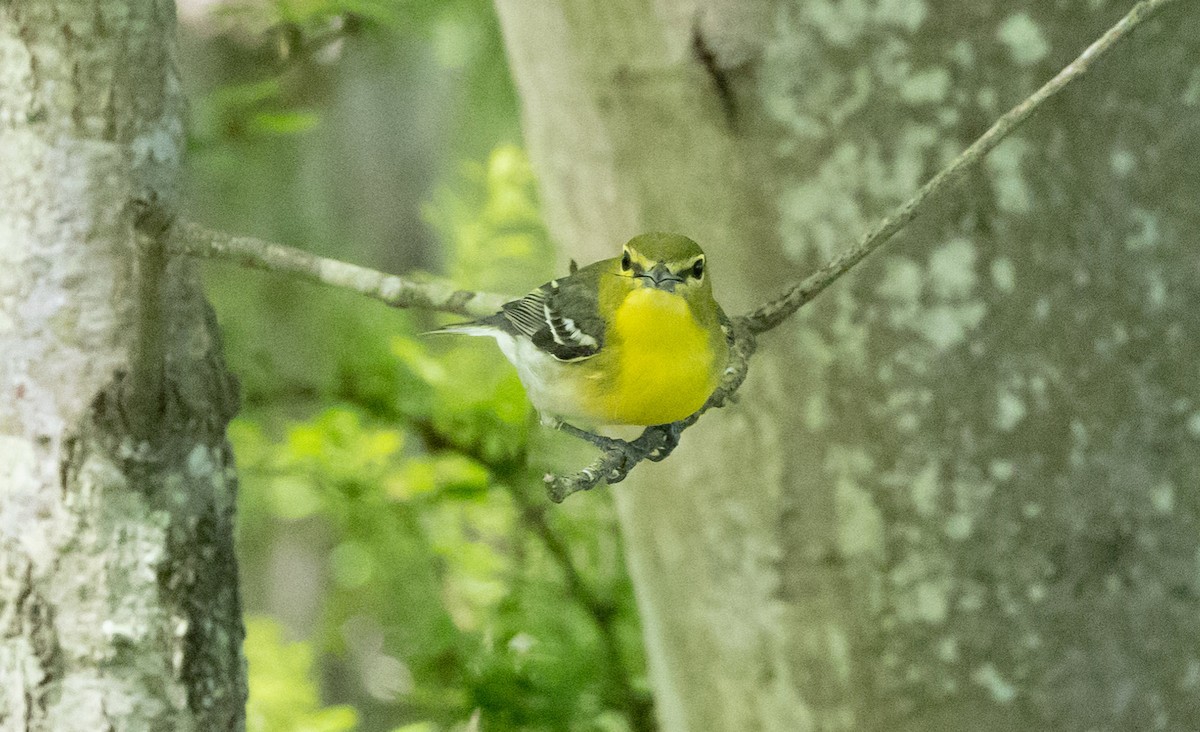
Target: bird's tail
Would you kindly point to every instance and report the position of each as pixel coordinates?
(471, 328)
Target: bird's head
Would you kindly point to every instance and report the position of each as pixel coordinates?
(669, 262)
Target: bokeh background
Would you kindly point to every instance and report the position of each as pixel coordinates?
(957, 492)
(399, 568)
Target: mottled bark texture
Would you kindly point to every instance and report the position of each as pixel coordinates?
(119, 607)
(959, 492)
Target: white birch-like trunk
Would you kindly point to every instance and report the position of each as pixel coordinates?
(119, 606)
(959, 492)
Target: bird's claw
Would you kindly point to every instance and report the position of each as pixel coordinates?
(626, 455)
(605, 444)
(670, 436)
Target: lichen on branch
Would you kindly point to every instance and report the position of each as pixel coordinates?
(192, 239)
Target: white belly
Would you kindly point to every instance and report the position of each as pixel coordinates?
(553, 387)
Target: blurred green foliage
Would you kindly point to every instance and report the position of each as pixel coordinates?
(439, 598)
(283, 697)
(491, 217)
(393, 525)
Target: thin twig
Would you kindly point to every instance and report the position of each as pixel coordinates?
(775, 312)
(614, 465)
(602, 612)
(192, 239)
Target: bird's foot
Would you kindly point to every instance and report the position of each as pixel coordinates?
(670, 436)
(626, 454)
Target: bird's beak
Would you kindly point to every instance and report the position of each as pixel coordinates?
(661, 278)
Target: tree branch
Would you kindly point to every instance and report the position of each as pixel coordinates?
(142, 392)
(192, 239)
(613, 465)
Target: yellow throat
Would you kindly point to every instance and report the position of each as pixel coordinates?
(666, 369)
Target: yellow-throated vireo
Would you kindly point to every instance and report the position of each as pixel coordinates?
(633, 340)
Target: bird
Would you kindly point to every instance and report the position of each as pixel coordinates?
(637, 339)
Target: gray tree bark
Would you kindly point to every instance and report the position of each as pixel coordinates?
(118, 597)
(959, 491)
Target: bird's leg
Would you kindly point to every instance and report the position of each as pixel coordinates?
(600, 441)
(670, 434)
(629, 455)
(620, 455)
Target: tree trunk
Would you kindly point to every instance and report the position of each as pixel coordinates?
(118, 587)
(958, 492)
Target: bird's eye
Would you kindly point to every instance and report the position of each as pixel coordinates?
(626, 261)
(698, 269)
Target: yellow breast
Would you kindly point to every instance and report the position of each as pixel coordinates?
(666, 364)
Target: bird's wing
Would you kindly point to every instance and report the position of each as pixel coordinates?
(562, 317)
